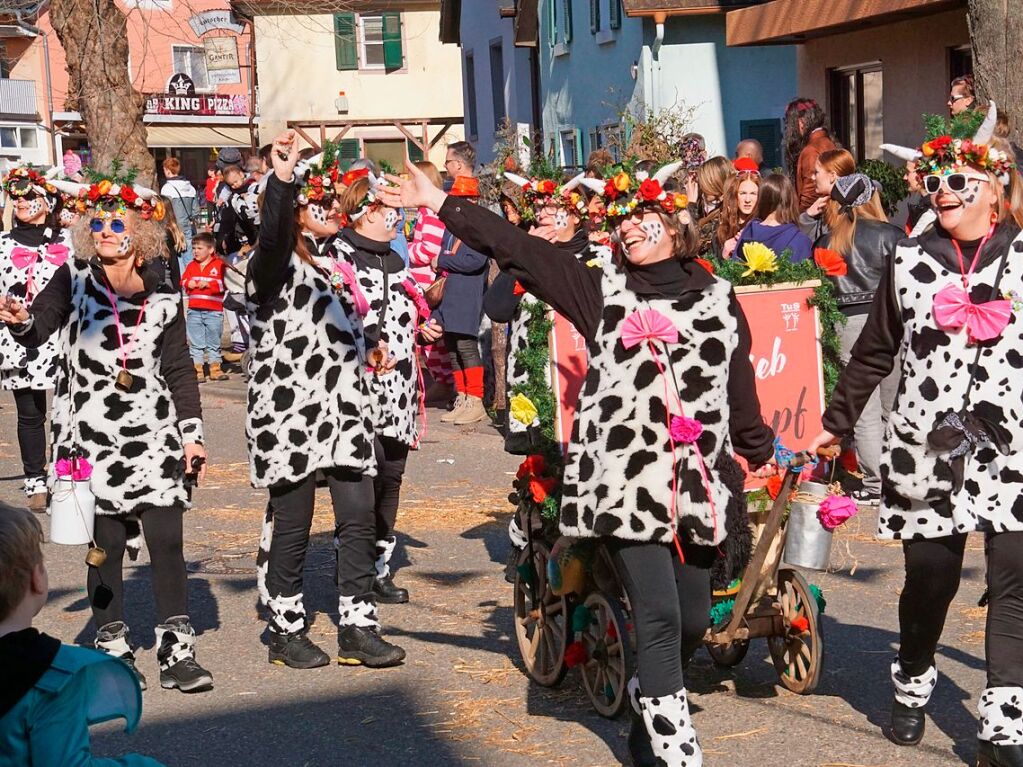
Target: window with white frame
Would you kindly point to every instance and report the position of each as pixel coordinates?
(191, 60)
(12, 137)
(371, 41)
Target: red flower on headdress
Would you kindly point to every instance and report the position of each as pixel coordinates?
(128, 194)
(610, 191)
(354, 175)
(94, 192)
(941, 142)
(650, 190)
(545, 187)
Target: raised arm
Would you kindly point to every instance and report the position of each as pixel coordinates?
(268, 267)
(49, 312)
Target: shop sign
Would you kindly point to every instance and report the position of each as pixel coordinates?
(204, 22)
(222, 60)
(183, 100)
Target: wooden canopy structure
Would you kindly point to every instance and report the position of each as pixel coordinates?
(408, 127)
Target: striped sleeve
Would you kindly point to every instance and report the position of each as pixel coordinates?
(426, 239)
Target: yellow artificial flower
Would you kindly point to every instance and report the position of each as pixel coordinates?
(593, 262)
(522, 409)
(622, 182)
(104, 186)
(681, 201)
(758, 258)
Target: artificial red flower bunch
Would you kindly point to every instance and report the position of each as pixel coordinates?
(22, 180)
(628, 192)
(539, 193)
(317, 182)
(530, 480)
(121, 194)
(831, 262)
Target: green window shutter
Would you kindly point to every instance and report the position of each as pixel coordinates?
(415, 154)
(345, 49)
(595, 16)
(568, 21)
(552, 22)
(393, 55)
(615, 14)
(348, 152)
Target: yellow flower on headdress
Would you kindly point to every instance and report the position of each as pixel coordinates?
(104, 186)
(758, 258)
(522, 409)
(681, 201)
(622, 182)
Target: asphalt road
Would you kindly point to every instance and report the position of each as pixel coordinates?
(462, 697)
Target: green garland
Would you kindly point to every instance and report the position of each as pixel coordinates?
(823, 298)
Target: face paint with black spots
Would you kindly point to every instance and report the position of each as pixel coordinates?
(971, 192)
(33, 208)
(390, 219)
(319, 213)
(560, 219)
(654, 231)
(124, 247)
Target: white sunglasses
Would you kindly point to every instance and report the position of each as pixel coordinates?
(954, 182)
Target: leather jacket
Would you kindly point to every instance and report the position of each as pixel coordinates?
(873, 244)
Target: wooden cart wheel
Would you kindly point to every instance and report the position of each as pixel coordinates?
(728, 655)
(609, 665)
(797, 654)
(542, 633)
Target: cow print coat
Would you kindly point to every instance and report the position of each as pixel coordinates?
(918, 499)
(41, 251)
(393, 318)
(133, 439)
(308, 397)
(618, 477)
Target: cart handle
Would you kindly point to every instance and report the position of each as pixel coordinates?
(804, 457)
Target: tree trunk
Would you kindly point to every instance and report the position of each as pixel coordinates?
(996, 32)
(94, 36)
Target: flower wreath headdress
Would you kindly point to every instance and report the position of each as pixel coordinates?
(951, 146)
(370, 198)
(317, 175)
(538, 193)
(25, 179)
(625, 192)
(113, 192)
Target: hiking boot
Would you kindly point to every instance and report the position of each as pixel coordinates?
(113, 639)
(296, 651)
(387, 593)
(37, 503)
(200, 373)
(472, 411)
(232, 356)
(216, 374)
(175, 652)
(363, 646)
(452, 414)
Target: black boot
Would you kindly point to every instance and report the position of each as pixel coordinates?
(363, 646)
(907, 727)
(993, 755)
(641, 751)
(296, 651)
(387, 593)
(114, 639)
(175, 652)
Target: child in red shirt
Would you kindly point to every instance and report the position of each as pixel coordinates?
(203, 281)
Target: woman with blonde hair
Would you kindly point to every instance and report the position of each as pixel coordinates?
(126, 408)
(711, 180)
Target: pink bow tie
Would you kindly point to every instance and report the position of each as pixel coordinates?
(23, 258)
(648, 325)
(953, 309)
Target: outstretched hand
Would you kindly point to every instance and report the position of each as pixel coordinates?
(417, 191)
(284, 155)
(12, 311)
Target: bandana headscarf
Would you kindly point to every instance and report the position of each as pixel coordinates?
(852, 191)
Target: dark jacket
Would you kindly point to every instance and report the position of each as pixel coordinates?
(461, 309)
(872, 248)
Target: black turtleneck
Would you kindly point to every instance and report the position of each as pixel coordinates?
(574, 290)
(33, 235)
(876, 350)
(372, 254)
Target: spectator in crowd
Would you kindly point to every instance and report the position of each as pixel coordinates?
(183, 201)
(774, 224)
(961, 96)
(203, 281)
(51, 692)
(737, 208)
(426, 245)
(176, 245)
(212, 182)
(234, 306)
(598, 162)
(461, 308)
(711, 180)
(805, 139)
(858, 230)
(753, 150)
(237, 225)
(829, 167)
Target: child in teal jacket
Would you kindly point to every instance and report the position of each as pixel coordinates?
(51, 692)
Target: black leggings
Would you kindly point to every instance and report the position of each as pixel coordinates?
(670, 604)
(464, 350)
(351, 495)
(391, 457)
(162, 528)
(933, 570)
(31, 405)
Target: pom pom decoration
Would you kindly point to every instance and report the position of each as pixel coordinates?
(576, 655)
(581, 618)
(685, 430)
(77, 469)
(835, 510)
(819, 596)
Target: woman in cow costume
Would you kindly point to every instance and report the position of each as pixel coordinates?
(309, 409)
(126, 413)
(948, 314)
(668, 392)
(30, 254)
(395, 311)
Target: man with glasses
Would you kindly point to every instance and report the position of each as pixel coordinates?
(460, 160)
(961, 96)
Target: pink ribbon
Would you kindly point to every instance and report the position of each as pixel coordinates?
(953, 309)
(78, 469)
(650, 325)
(23, 258)
(347, 273)
(416, 296)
